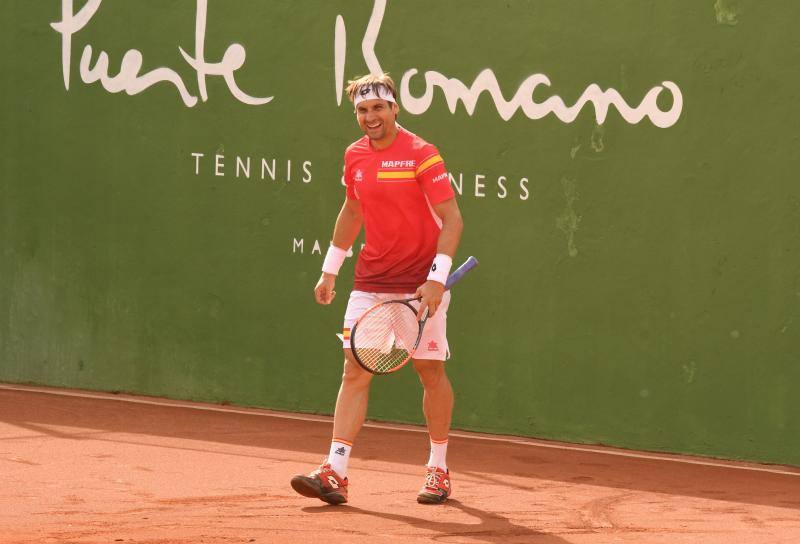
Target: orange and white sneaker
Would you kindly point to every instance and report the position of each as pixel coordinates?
(437, 486)
(324, 484)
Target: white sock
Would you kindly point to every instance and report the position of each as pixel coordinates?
(438, 455)
(339, 456)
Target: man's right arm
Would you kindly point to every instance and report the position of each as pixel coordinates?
(345, 232)
(348, 224)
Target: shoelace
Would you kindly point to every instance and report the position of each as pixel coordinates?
(432, 479)
(319, 470)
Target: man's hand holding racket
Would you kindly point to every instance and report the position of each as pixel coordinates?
(430, 296)
(324, 292)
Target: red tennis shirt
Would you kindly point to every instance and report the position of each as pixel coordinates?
(396, 187)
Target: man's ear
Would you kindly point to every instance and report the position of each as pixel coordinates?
(396, 109)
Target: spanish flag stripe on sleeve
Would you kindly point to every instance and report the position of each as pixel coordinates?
(346, 334)
(427, 163)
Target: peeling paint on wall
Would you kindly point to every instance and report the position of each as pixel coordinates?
(727, 12)
(689, 372)
(597, 139)
(568, 221)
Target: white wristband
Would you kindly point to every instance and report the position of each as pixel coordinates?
(333, 260)
(440, 268)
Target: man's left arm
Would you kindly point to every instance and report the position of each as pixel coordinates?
(432, 291)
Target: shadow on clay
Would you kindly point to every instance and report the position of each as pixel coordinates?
(492, 527)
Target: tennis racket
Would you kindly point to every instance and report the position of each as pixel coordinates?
(386, 336)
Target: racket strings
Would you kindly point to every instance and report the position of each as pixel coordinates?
(386, 337)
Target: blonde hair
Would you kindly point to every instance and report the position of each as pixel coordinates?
(370, 81)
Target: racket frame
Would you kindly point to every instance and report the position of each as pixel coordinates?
(454, 278)
(421, 324)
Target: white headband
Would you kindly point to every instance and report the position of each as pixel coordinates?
(367, 92)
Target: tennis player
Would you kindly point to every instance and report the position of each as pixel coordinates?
(399, 190)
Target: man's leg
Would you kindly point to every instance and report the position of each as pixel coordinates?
(329, 482)
(437, 398)
(351, 404)
(437, 404)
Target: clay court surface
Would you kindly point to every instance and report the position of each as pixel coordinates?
(84, 468)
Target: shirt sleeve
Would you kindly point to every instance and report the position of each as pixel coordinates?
(433, 177)
(350, 189)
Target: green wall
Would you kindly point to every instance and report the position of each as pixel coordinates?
(639, 284)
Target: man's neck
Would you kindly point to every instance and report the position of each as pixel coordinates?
(384, 142)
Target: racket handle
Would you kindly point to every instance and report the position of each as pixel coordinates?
(460, 272)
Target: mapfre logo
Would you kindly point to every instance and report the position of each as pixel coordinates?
(440, 177)
(399, 164)
(359, 175)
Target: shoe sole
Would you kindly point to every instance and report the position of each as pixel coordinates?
(309, 487)
(430, 498)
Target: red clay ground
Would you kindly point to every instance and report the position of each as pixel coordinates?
(82, 469)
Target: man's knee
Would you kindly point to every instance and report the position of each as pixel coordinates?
(353, 373)
(430, 372)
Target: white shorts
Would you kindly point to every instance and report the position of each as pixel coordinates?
(433, 344)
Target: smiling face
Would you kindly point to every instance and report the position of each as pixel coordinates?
(377, 118)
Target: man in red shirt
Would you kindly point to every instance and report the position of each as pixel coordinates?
(399, 190)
